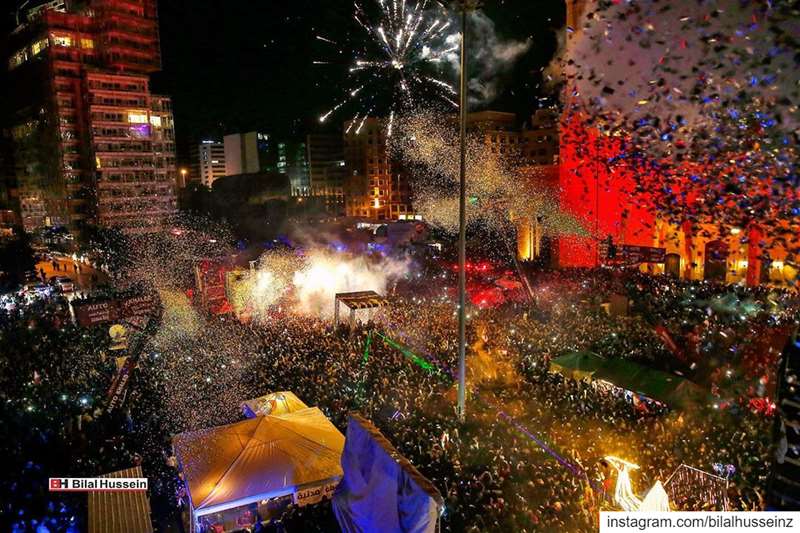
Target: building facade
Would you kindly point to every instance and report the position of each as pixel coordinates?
(375, 187)
(255, 152)
(532, 144)
(534, 150)
(327, 171)
(608, 202)
(92, 143)
(245, 153)
(208, 162)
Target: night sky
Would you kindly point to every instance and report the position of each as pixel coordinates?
(238, 65)
(243, 65)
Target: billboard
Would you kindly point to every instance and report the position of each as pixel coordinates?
(91, 314)
(101, 312)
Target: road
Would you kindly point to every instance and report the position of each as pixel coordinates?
(85, 277)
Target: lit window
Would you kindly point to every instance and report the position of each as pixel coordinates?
(137, 118)
(97, 162)
(62, 40)
(18, 59)
(87, 44)
(155, 121)
(38, 46)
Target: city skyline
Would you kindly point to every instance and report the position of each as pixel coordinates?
(391, 265)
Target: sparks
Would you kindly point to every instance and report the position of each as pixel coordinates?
(401, 62)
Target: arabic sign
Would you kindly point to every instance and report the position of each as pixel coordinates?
(314, 494)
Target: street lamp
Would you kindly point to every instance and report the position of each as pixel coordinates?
(465, 6)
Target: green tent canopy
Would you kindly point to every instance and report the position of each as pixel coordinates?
(577, 365)
(670, 389)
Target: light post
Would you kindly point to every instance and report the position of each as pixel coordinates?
(465, 6)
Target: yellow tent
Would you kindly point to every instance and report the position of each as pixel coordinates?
(276, 403)
(258, 459)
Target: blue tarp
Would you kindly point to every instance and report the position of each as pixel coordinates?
(380, 490)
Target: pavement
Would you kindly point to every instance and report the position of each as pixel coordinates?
(80, 273)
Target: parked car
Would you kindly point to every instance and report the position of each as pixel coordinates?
(64, 284)
(34, 291)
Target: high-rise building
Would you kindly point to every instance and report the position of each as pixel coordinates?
(327, 171)
(208, 162)
(245, 153)
(375, 187)
(292, 160)
(91, 143)
(254, 152)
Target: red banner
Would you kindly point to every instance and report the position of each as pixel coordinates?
(138, 306)
(92, 314)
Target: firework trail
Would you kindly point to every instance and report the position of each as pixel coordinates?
(399, 59)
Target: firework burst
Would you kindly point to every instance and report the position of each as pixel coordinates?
(402, 60)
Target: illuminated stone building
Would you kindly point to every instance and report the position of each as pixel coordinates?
(91, 143)
(608, 204)
(374, 186)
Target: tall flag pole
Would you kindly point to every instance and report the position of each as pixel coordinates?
(465, 6)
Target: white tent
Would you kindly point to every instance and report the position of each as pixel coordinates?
(258, 459)
(655, 500)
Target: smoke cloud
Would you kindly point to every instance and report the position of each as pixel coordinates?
(491, 58)
(308, 284)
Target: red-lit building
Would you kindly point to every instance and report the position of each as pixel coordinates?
(606, 200)
(91, 143)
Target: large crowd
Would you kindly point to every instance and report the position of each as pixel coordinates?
(492, 473)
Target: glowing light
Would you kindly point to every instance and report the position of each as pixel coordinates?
(405, 45)
(624, 496)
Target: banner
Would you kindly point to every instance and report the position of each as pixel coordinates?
(313, 495)
(138, 306)
(91, 314)
(119, 386)
(643, 254)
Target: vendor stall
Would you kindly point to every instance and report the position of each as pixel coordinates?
(241, 474)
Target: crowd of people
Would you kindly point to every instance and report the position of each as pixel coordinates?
(529, 457)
